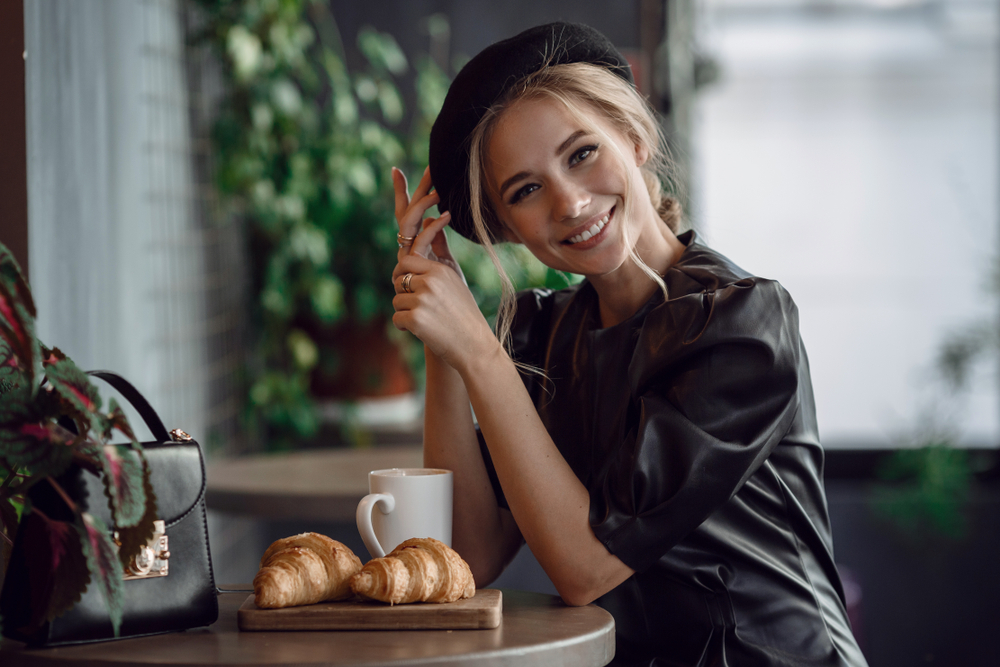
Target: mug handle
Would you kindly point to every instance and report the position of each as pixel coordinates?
(364, 519)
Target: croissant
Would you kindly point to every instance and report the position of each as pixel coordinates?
(418, 570)
(304, 569)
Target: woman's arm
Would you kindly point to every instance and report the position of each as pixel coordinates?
(465, 361)
(484, 533)
(549, 503)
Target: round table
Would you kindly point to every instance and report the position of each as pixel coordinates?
(322, 484)
(536, 630)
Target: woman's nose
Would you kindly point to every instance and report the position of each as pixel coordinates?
(569, 200)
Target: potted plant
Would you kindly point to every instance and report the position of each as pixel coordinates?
(303, 149)
(50, 419)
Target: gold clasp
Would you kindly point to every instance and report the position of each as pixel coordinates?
(153, 559)
(177, 435)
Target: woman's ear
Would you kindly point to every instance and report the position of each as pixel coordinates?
(641, 154)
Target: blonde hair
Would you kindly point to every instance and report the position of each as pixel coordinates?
(577, 86)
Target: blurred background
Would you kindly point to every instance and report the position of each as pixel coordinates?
(199, 191)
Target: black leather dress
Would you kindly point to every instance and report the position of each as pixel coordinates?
(693, 426)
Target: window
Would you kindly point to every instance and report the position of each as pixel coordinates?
(848, 150)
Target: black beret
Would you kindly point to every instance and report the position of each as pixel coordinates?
(484, 80)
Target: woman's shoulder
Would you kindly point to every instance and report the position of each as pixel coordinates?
(714, 305)
(704, 273)
(706, 268)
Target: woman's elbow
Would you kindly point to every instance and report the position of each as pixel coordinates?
(577, 598)
(577, 593)
(582, 588)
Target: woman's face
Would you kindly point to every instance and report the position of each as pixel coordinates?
(560, 189)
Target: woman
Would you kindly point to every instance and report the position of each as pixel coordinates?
(650, 433)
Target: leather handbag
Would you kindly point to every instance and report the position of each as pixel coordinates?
(171, 586)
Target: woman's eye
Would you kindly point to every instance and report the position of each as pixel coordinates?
(523, 192)
(582, 154)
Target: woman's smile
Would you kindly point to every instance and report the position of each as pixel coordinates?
(591, 235)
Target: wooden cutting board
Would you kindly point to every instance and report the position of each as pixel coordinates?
(481, 611)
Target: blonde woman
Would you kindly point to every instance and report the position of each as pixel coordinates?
(650, 433)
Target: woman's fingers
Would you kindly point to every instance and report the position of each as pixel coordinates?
(410, 210)
(439, 245)
(422, 243)
(424, 186)
(402, 193)
(412, 264)
(406, 285)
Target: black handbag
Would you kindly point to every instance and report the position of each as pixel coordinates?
(171, 587)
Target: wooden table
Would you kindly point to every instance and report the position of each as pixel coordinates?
(323, 485)
(537, 630)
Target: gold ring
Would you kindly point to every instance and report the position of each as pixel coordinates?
(404, 284)
(404, 241)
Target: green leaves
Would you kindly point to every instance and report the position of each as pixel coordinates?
(925, 489)
(303, 147)
(79, 396)
(20, 349)
(104, 565)
(245, 52)
(124, 481)
(57, 567)
(43, 448)
(382, 51)
(15, 388)
(135, 537)
(36, 443)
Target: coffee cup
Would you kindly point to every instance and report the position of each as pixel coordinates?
(404, 503)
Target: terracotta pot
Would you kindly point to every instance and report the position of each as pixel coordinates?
(368, 364)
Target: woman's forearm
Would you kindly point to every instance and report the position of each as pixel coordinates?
(483, 533)
(549, 503)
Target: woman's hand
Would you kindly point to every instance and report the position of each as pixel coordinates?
(410, 217)
(434, 302)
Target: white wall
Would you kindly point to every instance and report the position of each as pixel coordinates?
(852, 155)
(115, 254)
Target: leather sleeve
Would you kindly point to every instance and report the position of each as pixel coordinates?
(714, 377)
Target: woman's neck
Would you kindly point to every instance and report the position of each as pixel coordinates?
(623, 292)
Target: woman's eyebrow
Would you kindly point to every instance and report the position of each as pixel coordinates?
(566, 144)
(510, 181)
(523, 174)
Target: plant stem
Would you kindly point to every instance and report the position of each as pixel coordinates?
(326, 28)
(65, 497)
(10, 478)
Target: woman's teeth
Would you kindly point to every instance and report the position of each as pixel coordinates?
(590, 233)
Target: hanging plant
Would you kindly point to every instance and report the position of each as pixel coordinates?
(303, 150)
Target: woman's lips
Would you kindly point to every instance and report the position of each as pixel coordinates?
(591, 236)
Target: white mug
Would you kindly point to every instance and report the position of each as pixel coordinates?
(405, 503)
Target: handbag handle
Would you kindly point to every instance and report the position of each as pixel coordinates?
(138, 401)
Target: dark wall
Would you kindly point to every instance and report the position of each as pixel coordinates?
(925, 599)
(476, 24)
(13, 149)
